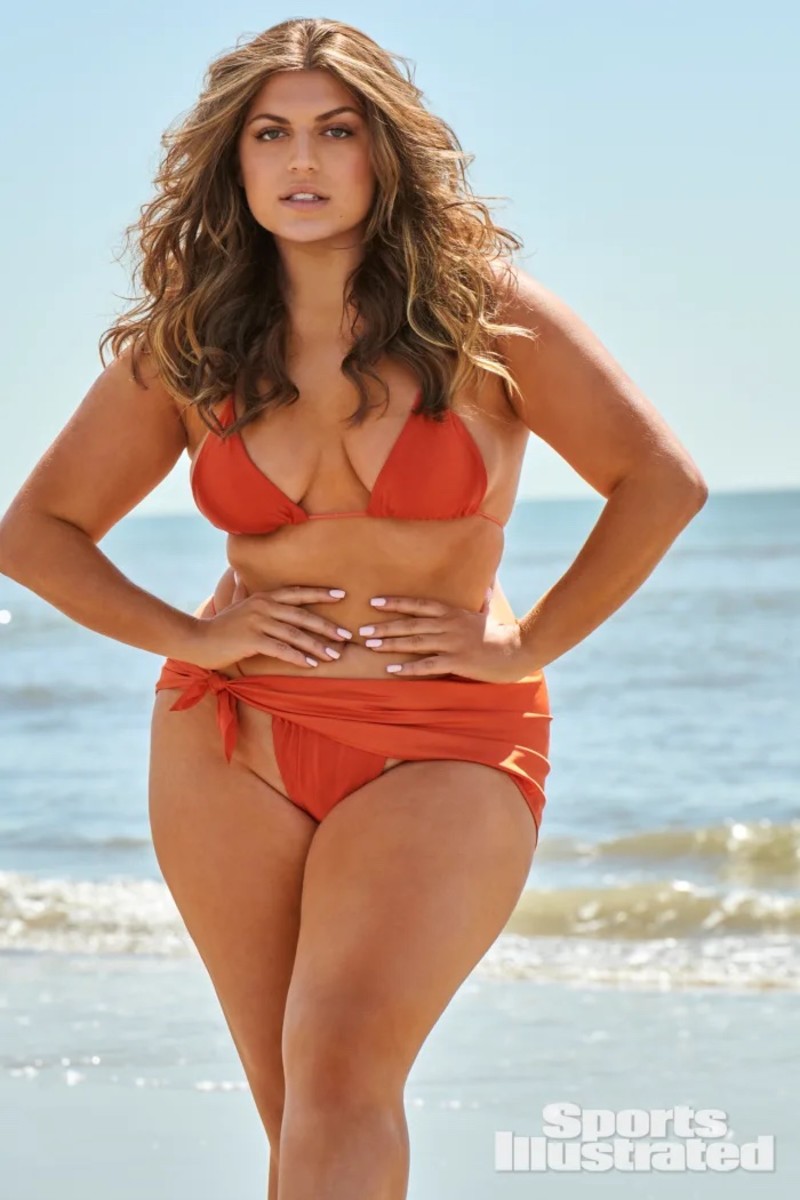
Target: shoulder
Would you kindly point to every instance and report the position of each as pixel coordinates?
(139, 369)
(550, 342)
(135, 369)
(576, 396)
(519, 303)
(526, 302)
(119, 443)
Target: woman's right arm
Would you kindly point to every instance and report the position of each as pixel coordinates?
(122, 440)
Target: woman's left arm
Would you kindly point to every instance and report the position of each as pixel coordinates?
(577, 398)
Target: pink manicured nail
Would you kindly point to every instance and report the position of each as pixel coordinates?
(345, 633)
(367, 629)
(333, 653)
(312, 661)
(377, 600)
(394, 667)
(374, 642)
(337, 592)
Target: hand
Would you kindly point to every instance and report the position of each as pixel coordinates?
(271, 623)
(454, 641)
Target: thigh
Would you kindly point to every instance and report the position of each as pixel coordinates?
(232, 851)
(408, 883)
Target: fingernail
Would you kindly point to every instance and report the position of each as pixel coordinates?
(367, 629)
(378, 600)
(394, 667)
(345, 633)
(337, 592)
(374, 642)
(312, 661)
(333, 653)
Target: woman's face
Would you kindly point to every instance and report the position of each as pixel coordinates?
(293, 139)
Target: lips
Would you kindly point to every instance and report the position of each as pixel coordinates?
(311, 190)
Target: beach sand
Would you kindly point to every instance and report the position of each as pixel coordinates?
(152, 1101)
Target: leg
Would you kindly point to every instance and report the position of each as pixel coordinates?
(232, 850)
(408, 883)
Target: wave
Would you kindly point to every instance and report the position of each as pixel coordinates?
(764, 848)
(118, 916)
(768, 850)
(653, 909)
(741, 964)
(668, 934)
(64, 840)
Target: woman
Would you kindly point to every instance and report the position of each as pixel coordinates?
(349, 743)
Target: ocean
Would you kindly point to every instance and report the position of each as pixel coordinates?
(653, 960)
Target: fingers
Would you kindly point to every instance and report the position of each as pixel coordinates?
(412, 605)
(284, 604)
(439, 634)
(290, 635)
(278, 626)
(275, 648)
(302, 618)
(404, 626)
(437, 664)
(283, 628)
(415, 643)
(302, 594)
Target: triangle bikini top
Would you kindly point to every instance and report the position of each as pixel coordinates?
(434, 471)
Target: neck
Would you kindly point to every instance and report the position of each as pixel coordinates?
(313, 278)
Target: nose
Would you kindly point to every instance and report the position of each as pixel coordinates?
(302, 155)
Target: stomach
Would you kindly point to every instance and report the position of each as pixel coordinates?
(454, 562)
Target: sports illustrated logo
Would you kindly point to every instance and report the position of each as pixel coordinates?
(631, 1139)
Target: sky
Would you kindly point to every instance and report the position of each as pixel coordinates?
(646, 153)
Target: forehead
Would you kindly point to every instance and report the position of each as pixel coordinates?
(302, 94)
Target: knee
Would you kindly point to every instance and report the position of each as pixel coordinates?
(342, 1055)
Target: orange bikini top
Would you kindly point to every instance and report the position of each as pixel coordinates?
(434, 471)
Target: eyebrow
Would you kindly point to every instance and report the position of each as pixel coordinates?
(333, 112)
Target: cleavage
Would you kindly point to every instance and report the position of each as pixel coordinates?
(333, 468)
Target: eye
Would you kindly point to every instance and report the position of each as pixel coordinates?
(261, 136)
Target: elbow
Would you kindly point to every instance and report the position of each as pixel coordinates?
(9, 543)
(692, 484)
(696, 488)
(6, 537)
(30, 539)
(679, 480)
(688, 480)
(670, 488)
(18, 541)
(688, 491)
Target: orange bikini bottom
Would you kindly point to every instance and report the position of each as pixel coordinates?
(332, 736)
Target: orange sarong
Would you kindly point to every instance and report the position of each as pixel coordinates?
(332, 736)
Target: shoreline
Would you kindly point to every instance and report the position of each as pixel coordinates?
(165, 1108)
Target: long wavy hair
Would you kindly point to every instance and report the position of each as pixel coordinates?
(431, 277)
